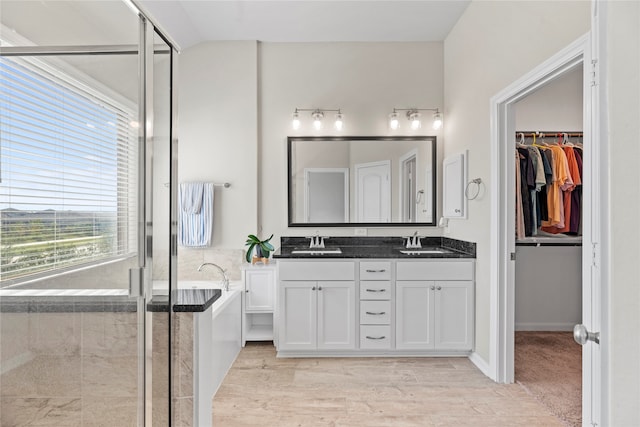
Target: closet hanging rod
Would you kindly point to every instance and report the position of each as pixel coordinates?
(223, 184)
(549, 134)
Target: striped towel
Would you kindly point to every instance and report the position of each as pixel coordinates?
(195, 214)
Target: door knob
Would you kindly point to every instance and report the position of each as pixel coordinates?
(582, 335)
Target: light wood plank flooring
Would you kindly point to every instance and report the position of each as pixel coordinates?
(261, 390)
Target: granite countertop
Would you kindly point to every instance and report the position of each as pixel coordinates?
(377, 247)
(187, 300)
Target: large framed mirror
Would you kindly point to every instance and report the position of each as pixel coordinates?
(358, 181)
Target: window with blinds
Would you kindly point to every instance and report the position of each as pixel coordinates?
(68, 173)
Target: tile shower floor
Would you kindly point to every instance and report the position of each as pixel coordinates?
(261, 390)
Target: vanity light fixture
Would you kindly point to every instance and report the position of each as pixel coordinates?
(414, 115)
(317, 115)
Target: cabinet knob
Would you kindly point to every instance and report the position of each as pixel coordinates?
(313, 289)
(319, 288)
(433, 288)
(439, 287)
(247, 290)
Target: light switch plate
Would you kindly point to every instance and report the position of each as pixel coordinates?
(360, 232)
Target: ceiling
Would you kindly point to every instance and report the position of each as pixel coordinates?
(189, 22)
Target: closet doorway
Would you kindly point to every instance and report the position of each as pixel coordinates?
(548, 246)
(503, 223)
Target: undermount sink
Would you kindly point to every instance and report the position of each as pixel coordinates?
(420, 251)
(317, 251)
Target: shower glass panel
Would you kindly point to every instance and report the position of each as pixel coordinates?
(75, 176)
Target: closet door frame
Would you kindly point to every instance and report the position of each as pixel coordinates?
(502, 245)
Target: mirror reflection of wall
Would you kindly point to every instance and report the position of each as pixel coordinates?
(388, 180)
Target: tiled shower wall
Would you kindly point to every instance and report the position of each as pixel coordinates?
(68, 369)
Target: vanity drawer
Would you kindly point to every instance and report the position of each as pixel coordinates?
(375, 270)
(375, 290)
(375, 336)
(434, 270)
(316, 270)
(375, 312)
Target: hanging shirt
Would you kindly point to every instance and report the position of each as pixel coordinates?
(561, 179)
(520, 234)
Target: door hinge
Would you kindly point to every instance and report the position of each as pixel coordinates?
(136, 281)
(594, 72)
(513, 256)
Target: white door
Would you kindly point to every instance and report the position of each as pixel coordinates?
(373, 192)
(326, 195)
(414, 315)
(453, 315)
(297, 315)
(259, 290)
(336, 315)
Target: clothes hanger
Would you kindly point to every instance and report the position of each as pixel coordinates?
(565, 140)
(520, 140)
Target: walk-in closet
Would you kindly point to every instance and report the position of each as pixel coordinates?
(548, 260)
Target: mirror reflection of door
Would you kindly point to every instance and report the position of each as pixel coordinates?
(326, 195)
(408, 187)
(373, 191)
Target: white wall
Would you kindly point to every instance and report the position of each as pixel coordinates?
(623, 83)
(493, 44)
(556, 106)
(365, 80)
(218, 134)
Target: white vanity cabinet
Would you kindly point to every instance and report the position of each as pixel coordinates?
(258, 302)
(316, 305)
(434, 305)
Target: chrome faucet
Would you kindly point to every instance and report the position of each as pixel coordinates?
(225, 278)
(413, 242)
(316, 241)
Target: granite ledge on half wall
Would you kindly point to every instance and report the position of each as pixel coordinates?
(186, 300)
(377, 247)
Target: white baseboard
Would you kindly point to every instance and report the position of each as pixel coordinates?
(540, 326)
(480, 363)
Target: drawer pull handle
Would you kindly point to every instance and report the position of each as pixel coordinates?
(375, 338)
(376, 290)
(376, 314)
(376, 271)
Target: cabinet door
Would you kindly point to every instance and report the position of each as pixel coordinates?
(336, 315)
(454, 180)
(454, 315)
(297, 314)
(259, 290)
(414, 315)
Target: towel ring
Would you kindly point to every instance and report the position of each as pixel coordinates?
(477, 182)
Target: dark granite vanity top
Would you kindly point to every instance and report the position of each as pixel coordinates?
(186, 300)
(377, 247)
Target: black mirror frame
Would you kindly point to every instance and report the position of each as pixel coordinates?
(292, 139)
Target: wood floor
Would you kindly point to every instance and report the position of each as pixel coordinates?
(261, 390)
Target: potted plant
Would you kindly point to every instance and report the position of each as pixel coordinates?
(263, 247)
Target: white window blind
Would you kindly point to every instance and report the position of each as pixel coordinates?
(68, 171)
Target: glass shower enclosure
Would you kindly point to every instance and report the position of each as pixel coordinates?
(87, 208)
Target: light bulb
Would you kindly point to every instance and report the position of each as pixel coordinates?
(317, 119)
(393, 121)
(338, 123)
(437, 120)
(296, 121)
(414, 118)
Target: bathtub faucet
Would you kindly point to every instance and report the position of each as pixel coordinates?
(225, 278)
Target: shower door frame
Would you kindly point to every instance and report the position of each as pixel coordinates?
(140, 285)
